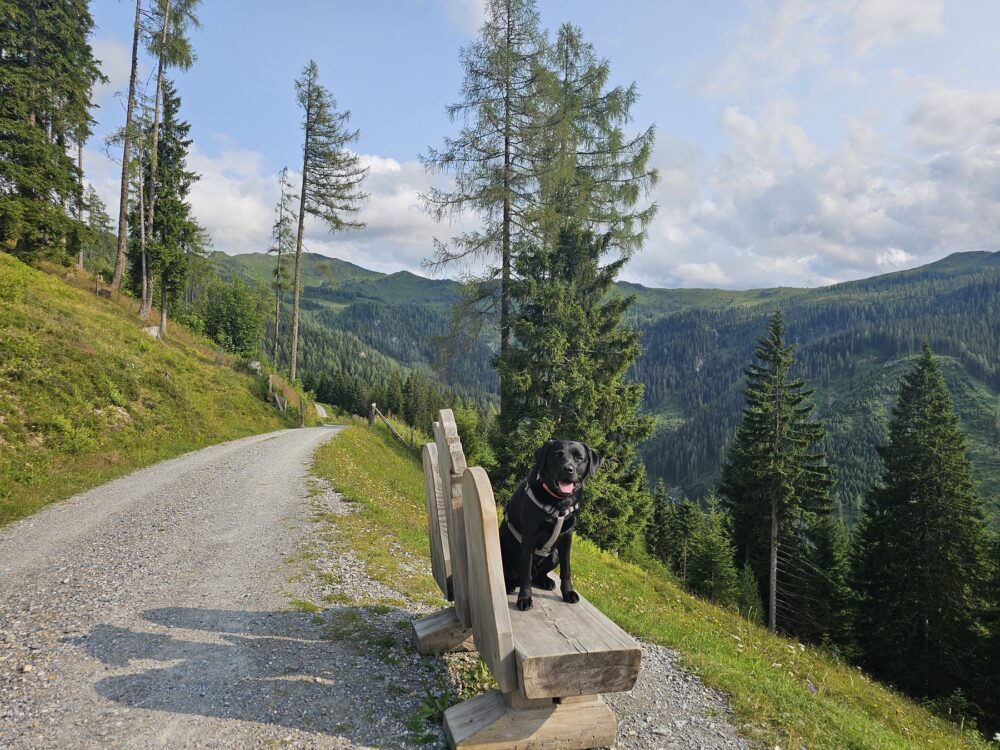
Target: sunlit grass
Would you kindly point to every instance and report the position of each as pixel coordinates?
(86, 395)
(783, 694)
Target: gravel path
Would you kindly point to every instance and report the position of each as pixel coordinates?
(152, 612)
(159, 611)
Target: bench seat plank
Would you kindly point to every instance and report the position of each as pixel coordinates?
(570, 649)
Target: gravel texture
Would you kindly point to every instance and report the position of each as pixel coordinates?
(167, 609)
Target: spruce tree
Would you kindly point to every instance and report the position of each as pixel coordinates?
(777, 475)
(566, 369)
(921, 547)
(710, 571)
(175, 237)
(589, 169)
(281, 233)
(685, 518)
(331, 176)
(491, 158)
(660, 523)
(747, 599)
(166, 40)
(47, 73)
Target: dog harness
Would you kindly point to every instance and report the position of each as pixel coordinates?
(560, 517)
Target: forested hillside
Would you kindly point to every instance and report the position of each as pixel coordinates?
(854, 343)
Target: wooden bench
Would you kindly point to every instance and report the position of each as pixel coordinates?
(551, 663)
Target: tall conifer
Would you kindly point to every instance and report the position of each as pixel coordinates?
(491, 158)
(921, 546)
(47, 73)
(710, 571)
(331, 177)
(776, 473)
(566, 369)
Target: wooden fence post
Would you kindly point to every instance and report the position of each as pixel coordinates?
(371, 415)
(302, 412)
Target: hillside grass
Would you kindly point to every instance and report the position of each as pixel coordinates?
(86, 395)
(783, 694)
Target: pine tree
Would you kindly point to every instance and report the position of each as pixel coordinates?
(46, 79)
(589, 169)
(566, 369)
(660, 523)
(284, 243)
(776, 474)
(394, 395)
(829, 583)
(710, 571)
(175, 236)
(166, 40)
(331, 175)
(985, 690)
(747, 599)
(490, 158)
(98, 225)
(686, 517)
(921, 547)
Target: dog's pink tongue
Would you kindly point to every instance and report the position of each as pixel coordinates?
(565, 487)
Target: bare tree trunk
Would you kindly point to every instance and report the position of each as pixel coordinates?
(79, 200)
(147, 280)
(772, 598)
(164, 280)
(116, 282)
(146, 298)
(277, 309)
(298, 247)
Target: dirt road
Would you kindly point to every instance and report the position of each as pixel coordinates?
(153, 611)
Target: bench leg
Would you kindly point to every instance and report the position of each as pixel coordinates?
(496, 721)
(440, 632)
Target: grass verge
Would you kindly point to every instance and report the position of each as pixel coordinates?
(784, 694)
(87, 396)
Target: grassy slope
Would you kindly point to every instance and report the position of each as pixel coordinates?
(86, 396)
(767, 678)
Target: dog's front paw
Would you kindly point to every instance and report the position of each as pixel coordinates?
(545, 583)
(569, 595)
(524, 602)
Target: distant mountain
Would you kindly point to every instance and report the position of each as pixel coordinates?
(855, 340)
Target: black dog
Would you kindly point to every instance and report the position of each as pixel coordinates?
(540, 517)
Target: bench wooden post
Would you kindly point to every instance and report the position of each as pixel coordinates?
(442, 630)
(451, 466)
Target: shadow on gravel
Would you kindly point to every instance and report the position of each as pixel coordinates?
(346, 671)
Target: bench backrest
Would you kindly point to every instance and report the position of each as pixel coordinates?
(488, 597)
(451, 468)
(437, 524)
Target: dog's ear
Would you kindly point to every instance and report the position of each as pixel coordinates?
(542, 455)
(595, 460)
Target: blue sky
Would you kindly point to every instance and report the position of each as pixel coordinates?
(799, 143)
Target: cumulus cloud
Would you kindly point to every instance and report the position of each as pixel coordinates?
(776, 209)
(467, 15)
(784, 39)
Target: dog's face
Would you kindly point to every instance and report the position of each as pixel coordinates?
(563, 465)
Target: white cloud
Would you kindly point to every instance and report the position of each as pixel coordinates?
(467, 15)
(885, 23)
(785, 39)
(775, 209)
(702, 274)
